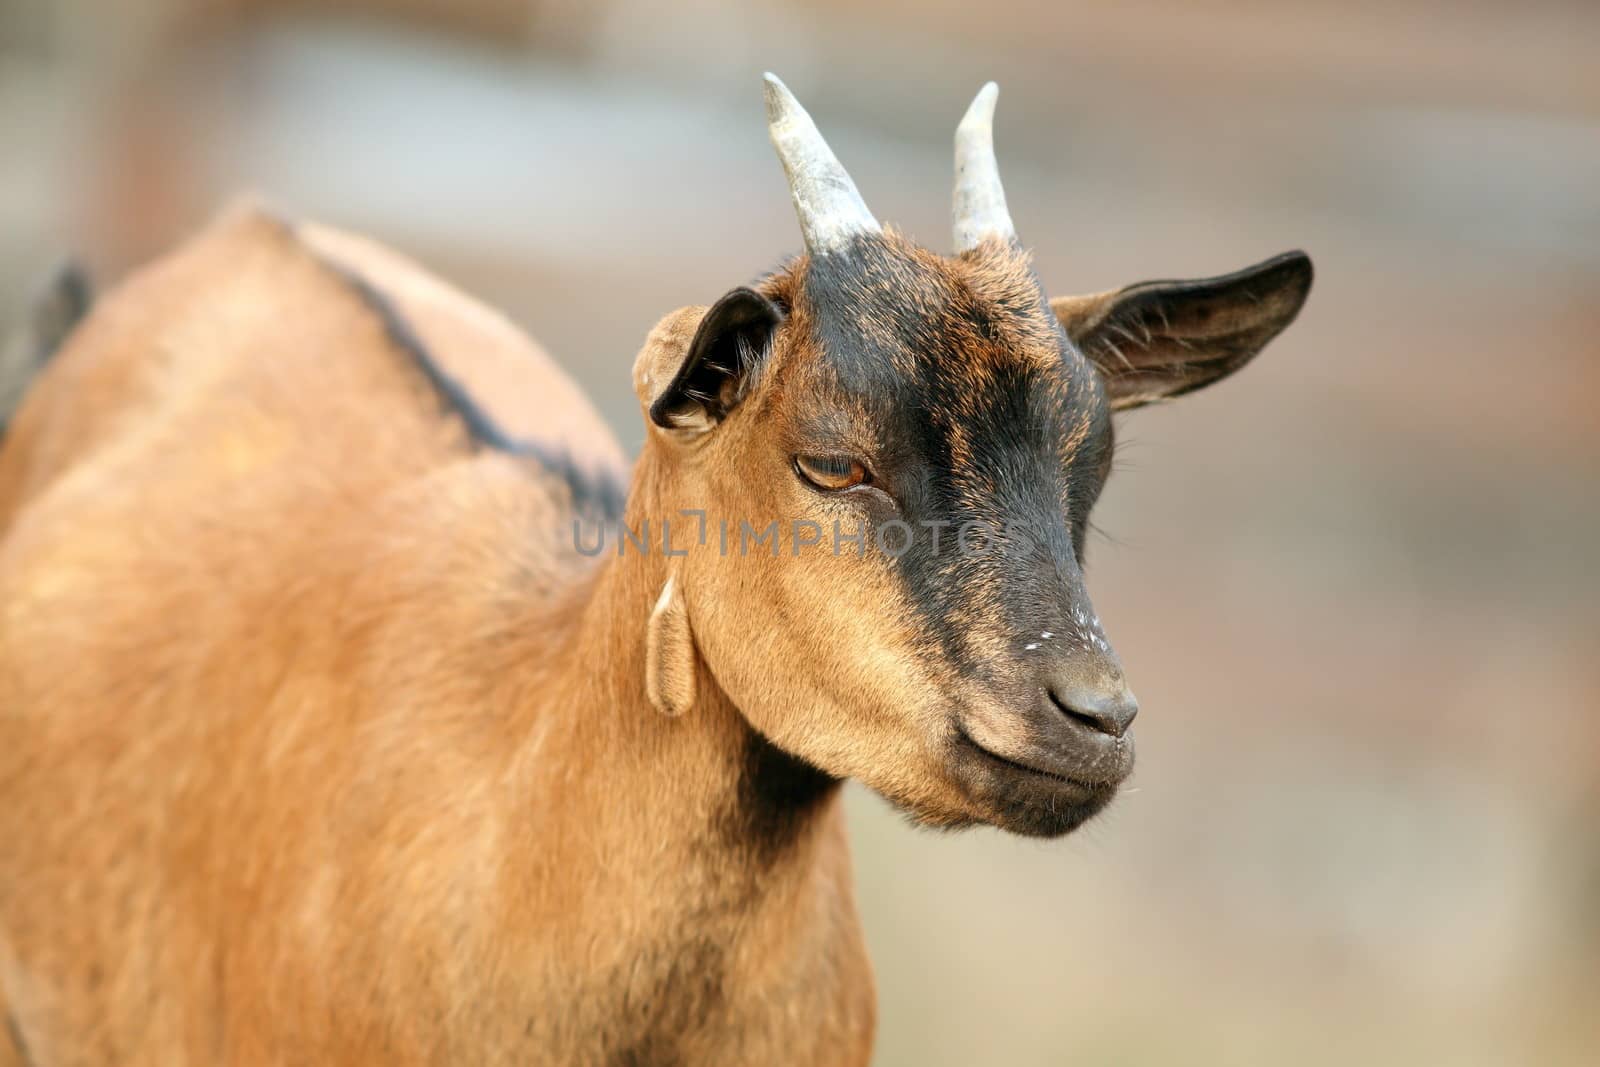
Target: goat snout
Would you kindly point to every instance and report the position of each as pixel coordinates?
(1107, 708)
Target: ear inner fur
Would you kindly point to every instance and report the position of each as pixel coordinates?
(669, 653)
(715, 365)
(1157, 340)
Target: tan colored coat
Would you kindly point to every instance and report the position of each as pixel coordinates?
(319, 744)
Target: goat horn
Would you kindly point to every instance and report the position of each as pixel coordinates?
(830, 208)
(980, 202)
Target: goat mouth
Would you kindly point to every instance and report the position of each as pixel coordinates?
(1026, 799)
(1100, 788)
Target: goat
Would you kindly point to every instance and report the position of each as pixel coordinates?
(324, 739)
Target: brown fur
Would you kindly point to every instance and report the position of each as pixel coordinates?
(320, 745)
(320, 742)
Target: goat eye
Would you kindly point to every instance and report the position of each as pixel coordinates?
(830, 472)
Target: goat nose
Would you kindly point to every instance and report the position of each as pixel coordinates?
(1107, 710)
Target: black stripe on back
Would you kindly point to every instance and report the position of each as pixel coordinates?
(17, 1041)
(593, 493)
(54, 313)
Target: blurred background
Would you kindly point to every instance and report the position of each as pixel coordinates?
(1355, 587)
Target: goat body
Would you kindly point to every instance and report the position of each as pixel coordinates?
(320, 743)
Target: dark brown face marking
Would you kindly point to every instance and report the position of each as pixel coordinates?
(982, 415)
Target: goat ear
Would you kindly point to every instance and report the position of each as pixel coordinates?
(691, 382)
(1162, 339)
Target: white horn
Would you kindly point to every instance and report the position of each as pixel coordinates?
(831, 211)
(980, 202)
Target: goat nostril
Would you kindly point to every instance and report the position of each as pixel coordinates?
(1105, 713)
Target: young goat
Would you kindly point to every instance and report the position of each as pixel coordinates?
(326, 738)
